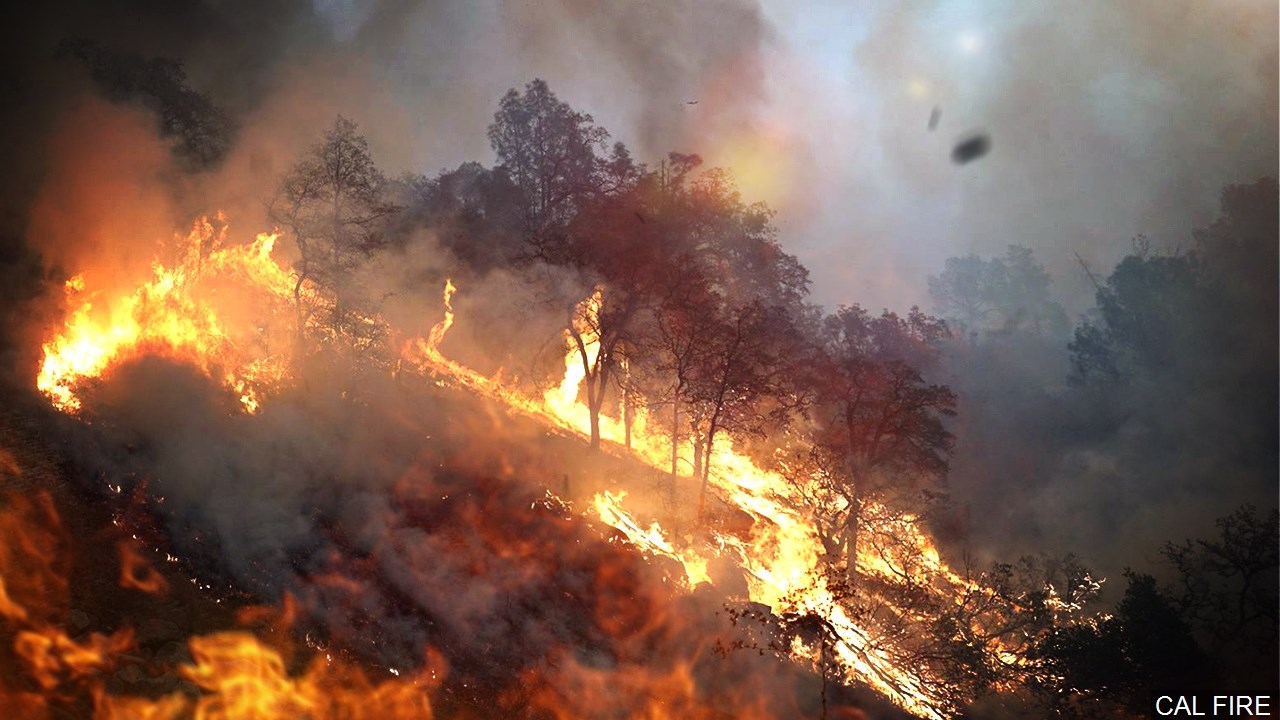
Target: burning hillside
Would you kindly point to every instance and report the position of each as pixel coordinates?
(208, 307)
(566, 436)
(458, 591)
(409, 559)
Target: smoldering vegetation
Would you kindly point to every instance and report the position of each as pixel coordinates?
(416, 523)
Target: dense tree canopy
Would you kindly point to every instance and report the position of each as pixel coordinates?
(552, 154)
(875, 413)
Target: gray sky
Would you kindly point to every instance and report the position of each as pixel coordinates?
(1107, 120)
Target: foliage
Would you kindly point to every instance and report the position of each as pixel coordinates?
(873, 411)
(1191, 314)
(1226, 588)
(1003, 294)
(1119, 661)
(332, 204)
(1151, 317)
(549, 151)
(474, 211)
(689, 278)
(202, 132)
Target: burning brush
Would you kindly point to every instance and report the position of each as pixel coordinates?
(371, 559)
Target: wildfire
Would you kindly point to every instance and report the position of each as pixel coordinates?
(239, 676)
(207, 309)
(196, 309)
(781, 555)
(609, 507)
(137, 573)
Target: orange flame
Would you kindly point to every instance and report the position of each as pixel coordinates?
(178, 313)
(238, 675)
(782, 554)
(608, 506)
(137, 573)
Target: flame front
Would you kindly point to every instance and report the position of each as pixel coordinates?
(238, 675)
(207, 309)
(197, 309)
(781, 556)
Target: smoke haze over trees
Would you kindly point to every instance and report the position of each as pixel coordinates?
(1005, 356)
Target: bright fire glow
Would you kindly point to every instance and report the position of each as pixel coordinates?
(180, 313)
(239, 676)
(196, 309)
(782, 555)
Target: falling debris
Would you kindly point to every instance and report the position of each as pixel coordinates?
(934, 117)
(971, 147)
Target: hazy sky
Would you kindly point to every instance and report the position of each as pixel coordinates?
(1108, 119)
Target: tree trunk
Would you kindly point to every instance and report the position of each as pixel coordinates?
(675, 464)
(706, 476)
(628, 410)
(853, 524)
(854, 518)
(697, 455)
(595, 428)
(596, 384)
(675, 441)
(851, 529)
(591, 376)
(593, 410)
(301, 319)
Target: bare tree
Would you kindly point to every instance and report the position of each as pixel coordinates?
(332, 206)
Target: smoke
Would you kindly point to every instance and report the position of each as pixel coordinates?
(80, 221)
(413, 522)
(1113, 470)
(89, 180)
(1106, 121)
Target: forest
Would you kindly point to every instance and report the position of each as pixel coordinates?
(985, 481)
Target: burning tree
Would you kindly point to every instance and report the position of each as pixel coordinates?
(652, 243)
(742, 365)
(377, 531)
(674, 353)
(874, 410)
